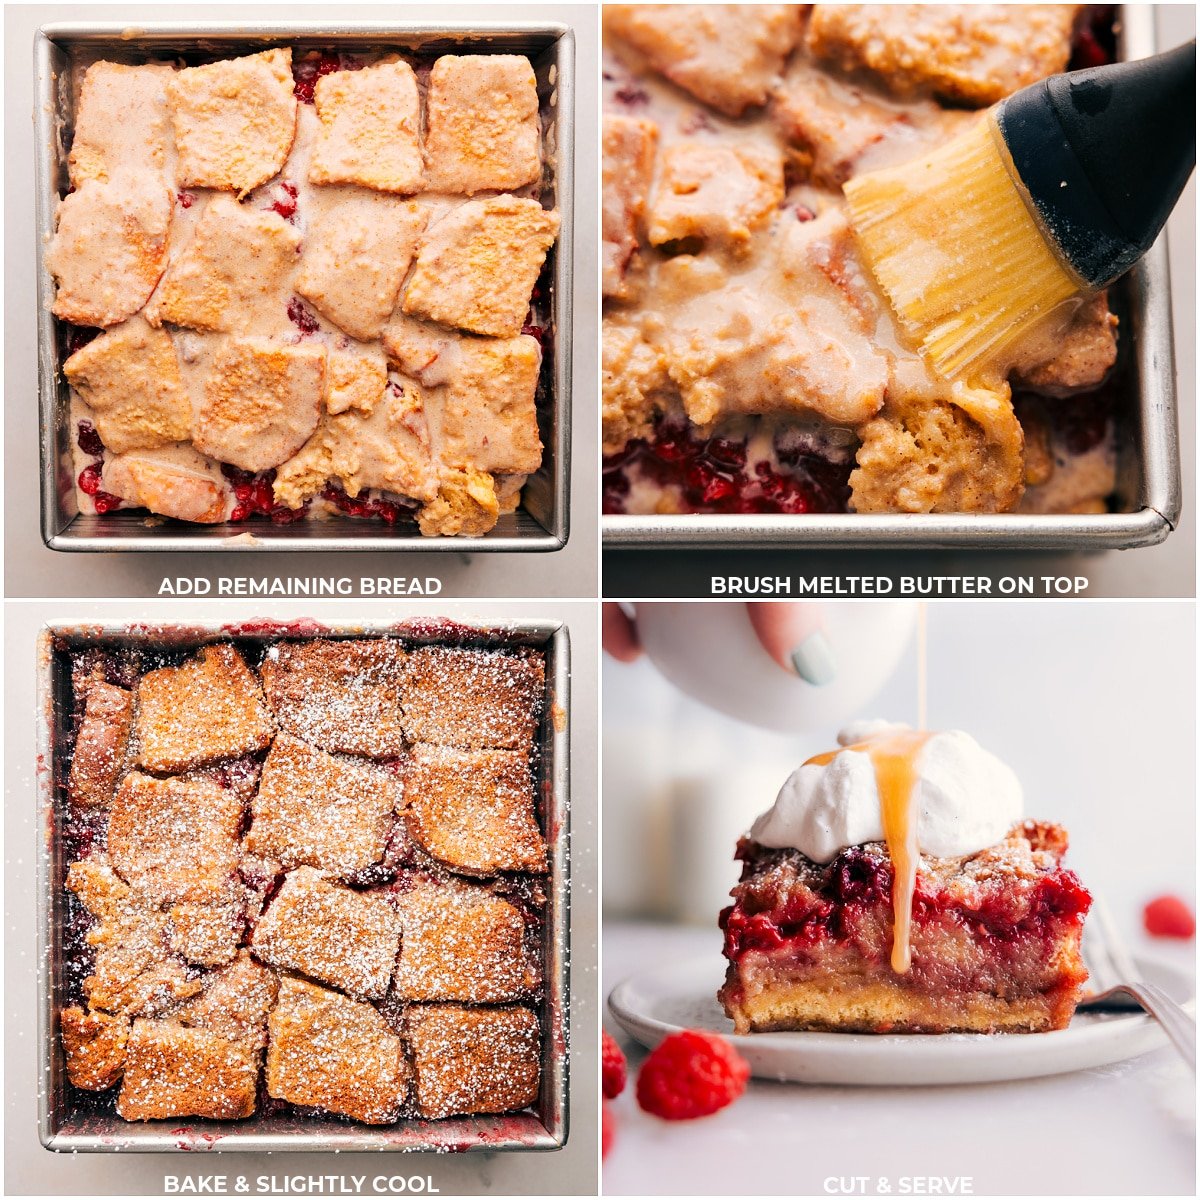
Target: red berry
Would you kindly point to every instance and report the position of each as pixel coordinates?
(691, 1074)
(1169, 916)
(612, 1064)
(301, 317)
(608, 1129)
(186, 199)
(89, 479)
(89, 440)
(105, 503)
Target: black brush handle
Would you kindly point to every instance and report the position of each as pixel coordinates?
(1104, 154)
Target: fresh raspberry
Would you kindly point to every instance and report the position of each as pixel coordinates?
(691, 1074)
(89, 479)
(612, 1063)
(608, 1130)
(1168, 916)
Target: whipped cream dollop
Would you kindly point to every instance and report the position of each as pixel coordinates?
(964, 798)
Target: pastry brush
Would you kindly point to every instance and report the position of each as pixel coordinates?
(1050, 196)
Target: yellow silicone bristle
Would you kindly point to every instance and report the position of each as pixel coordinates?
(964, 263)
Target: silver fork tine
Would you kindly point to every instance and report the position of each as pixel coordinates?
(1178, 1026)
(1114, 973)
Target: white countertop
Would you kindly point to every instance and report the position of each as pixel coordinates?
(1128, 1129)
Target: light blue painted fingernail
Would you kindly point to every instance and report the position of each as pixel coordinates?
(814, 661)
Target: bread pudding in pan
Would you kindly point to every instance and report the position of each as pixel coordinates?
(299, 284)
(306, 878)
(750, 364)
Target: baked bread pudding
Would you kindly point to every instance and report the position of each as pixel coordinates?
(304, 877)
(893, 889)
(750, 364)
(299, 284)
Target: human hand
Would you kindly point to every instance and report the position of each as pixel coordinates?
(793, 634)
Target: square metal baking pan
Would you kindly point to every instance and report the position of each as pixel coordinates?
(542, 522)
(545, 1128)
(1148, 486)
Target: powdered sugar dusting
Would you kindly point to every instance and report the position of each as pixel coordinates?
(269, 872)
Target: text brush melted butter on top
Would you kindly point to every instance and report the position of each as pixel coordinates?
(920, 792)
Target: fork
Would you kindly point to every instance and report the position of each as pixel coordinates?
(1114, 978)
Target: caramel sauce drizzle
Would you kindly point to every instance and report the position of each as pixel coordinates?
(894, 757)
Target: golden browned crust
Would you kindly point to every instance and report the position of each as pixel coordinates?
(321, 810)
(473, 809)
(172, 1071)
(473, 1060)
(880, 1006)
(94, 1043)
(475, 699)
(342, 696)
(331, 1052)
(102, 745)
(209, 708)
(993, 951)
(235, 1001)
(175, 840)
(972, 54)
(460, 942)
(345, 938)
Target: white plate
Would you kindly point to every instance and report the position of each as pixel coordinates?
(654, 1003)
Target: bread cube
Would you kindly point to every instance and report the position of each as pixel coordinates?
(473, 809)
(343, 696)
(473, 1060)
(121, 122)
(629, 146)
(370, 129)
(209, 708)
(330, 1052)
(482, 124)
(477, 265)
(109, 248)
(473, 698)
(129, 378)
(321, 810)
(356, 255)
(262, 402)
(345, 938)
(461, 942)
(727, 55)
(101, 745)
(173, 1071)
(234, 120)
(238, 258)
(175, 840)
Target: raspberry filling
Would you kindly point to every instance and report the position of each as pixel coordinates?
(307, 71)
(715, 474)
(849, 902)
